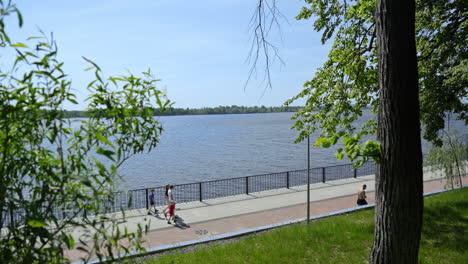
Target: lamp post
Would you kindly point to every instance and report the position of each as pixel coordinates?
(308, 179)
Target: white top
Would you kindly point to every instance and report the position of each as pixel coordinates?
(170, 196)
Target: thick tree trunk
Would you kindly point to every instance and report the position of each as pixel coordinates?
(399, 201)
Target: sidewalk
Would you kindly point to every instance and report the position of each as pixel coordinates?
(226, 215)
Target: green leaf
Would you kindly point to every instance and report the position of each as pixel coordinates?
(90, 61)
(319, 142)
(103, 139)
(20, 17)
(36, 223)
(43, 44)
(31, 38)
(334, 139)
(19, 45)
(108, 153)
(339, 156)
(69, 241)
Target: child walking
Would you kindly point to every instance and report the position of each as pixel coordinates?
(152, 200)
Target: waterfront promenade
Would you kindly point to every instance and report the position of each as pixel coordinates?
(223, 217)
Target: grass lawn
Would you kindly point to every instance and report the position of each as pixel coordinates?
(343, 239)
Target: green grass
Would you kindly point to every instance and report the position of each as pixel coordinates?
(343, 239)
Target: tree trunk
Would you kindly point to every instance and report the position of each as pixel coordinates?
(399, 201)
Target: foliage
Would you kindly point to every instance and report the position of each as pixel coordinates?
(340, 239)
(347, 82)
(450, 158)
(442, 31)
(55, 174)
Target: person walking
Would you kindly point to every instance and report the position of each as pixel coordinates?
(170, 195)
(166, 196)
(361, 200)
(152, 200)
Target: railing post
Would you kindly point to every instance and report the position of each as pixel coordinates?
(200, 187)
(247, 185)
(147, 202)
(355, 173)
(323, 174)
(287, 179)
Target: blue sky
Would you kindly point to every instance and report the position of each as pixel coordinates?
(197, 48)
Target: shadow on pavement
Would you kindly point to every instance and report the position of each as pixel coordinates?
(179, 222)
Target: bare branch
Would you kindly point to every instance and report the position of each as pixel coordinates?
(263, 20)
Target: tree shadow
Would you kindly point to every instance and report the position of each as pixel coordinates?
(445, 227)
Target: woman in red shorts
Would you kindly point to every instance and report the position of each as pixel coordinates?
(170, 195)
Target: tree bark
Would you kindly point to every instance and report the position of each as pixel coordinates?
(399, 201)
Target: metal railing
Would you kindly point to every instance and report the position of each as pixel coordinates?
(200, 191)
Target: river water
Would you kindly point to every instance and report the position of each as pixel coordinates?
(210, 147)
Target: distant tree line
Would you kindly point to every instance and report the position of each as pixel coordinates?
(219, 110)
(234, 109)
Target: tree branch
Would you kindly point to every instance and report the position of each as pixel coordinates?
(262, 22)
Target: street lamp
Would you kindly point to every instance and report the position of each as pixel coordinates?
(308, 179)
(306, 114)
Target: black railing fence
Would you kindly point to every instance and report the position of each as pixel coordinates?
(200, 191)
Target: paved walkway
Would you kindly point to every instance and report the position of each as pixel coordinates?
(232, 214)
